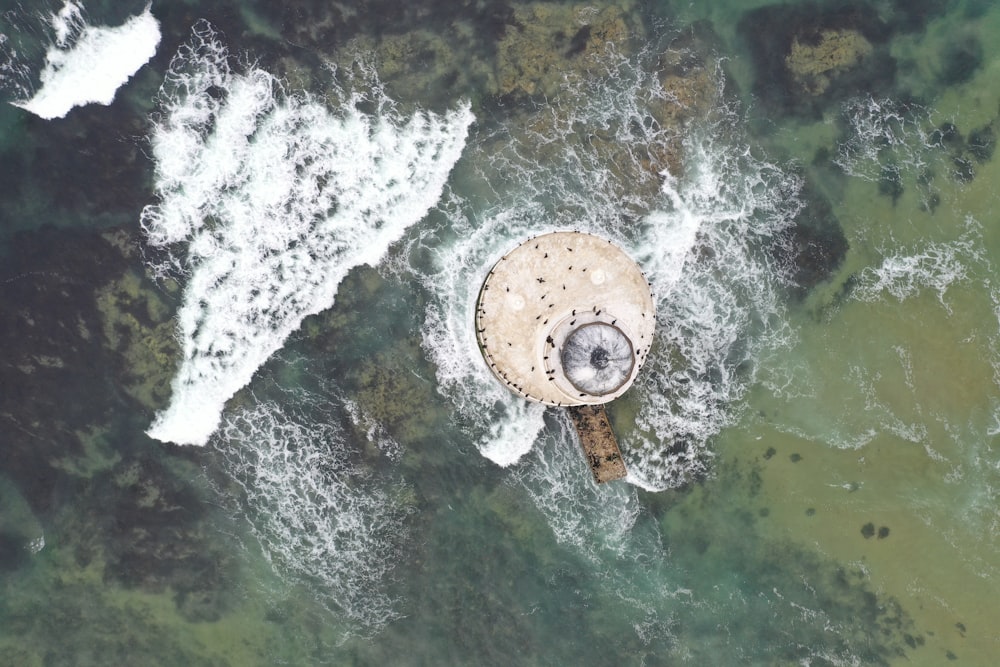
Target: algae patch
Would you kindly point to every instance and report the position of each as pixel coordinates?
(138, 328)
(813, 64)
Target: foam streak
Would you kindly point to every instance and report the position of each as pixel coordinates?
(320, 518)
(267, 200)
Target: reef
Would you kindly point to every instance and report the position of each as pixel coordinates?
(384, 371)
(78, 314)
(816, 245)
(547, 42)
(808, 55)
(814, 63)
(393, 397)
(426, 64)
(138, 328)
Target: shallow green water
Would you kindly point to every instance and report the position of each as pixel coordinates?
(839, 504)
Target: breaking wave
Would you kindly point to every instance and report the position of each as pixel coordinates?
(596, 520)
(720, 308)
(595, 159)
(322, 518)
(266, 200)
(83, 63)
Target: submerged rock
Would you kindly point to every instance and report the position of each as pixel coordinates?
(546, 42)
(138, 328)
(813, 63)
(394, 397)
(982, 143)
(78, 314)
(807, 55)
(816, 244)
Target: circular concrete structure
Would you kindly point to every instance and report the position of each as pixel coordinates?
(566, 318)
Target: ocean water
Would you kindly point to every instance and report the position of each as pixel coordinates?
(244, 416)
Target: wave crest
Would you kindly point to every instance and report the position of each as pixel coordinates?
(267, 200)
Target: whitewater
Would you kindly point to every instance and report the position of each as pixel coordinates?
(86, 64)
(267, 199)
(706, 239)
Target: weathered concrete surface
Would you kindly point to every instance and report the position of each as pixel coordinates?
(545, 289)
(598, 442)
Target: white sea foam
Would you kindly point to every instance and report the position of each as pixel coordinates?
(596, 520)
(582, 162)
(902, 146)
(995, 339)
(503, 426)
(267, 200)
(719, 301)
(884, 134)
(604, 524)
(321, 518)
(936, 266)
(88, 64)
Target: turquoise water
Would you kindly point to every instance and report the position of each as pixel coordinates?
(266, 252)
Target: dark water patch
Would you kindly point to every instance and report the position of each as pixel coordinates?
(85, 170)
(12, 183)
(890, 182)
(913, 15)
(579, 42)
(982, 143)
(13, 551)
(50, 334)
(317, 26)
(960, 59)
(809, 55)
(816, 245)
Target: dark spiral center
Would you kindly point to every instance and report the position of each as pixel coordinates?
(599, 358)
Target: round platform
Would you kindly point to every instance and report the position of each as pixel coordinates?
(566, 318)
